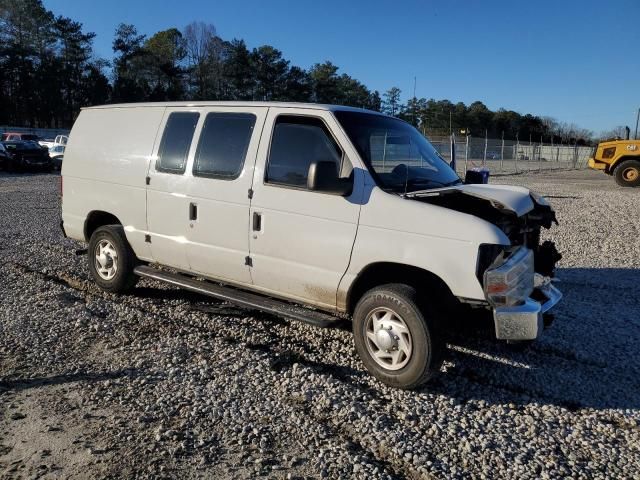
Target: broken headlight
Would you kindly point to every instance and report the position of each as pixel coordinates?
(510, 282)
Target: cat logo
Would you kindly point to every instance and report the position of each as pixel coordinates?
(632, 147)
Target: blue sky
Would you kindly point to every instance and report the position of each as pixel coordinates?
(573, 60)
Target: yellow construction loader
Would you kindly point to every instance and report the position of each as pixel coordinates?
(620, 158)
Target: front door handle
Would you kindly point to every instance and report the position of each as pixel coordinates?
(257, 221)
(193, 211)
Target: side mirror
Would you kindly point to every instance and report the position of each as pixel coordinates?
(323, 177)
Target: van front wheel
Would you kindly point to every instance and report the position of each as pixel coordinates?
(111, 260)
(396, 338)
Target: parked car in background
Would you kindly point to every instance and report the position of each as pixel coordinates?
(51, 143)
(57, 154)
(16, 137)
(4, 157)
(26, 155)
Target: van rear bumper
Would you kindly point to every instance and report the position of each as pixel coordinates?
(525, 322)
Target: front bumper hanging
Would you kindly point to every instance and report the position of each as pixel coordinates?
(525, 322)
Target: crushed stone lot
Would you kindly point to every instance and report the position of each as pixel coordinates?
(164, 383)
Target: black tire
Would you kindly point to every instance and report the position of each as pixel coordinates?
(423, 325)
(627, 174)
(123, 278)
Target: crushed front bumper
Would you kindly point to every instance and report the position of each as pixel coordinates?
(525, 322)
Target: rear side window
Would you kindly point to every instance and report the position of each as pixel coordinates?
(223, 145)
(176, 139)
(297, 142)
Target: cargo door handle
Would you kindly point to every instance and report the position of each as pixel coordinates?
(257, 221)
(193, 211)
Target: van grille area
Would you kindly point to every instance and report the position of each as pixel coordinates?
(526, 231)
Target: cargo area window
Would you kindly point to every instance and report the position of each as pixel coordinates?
(296, 143)
(176, 139)
(223, 145)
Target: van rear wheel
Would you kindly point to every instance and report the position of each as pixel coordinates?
(627, 174)
(396, 338)
(111, 259)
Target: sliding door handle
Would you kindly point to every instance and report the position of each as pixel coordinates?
(257, 222)
(193, 211)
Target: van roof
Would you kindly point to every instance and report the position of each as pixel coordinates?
(205, 103)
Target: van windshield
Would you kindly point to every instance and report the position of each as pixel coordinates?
(399, 157)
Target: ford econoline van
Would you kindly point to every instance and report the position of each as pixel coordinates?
(311, 212)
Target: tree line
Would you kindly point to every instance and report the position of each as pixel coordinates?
(48, 71)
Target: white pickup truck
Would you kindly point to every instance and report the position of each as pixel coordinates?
(311, 212)
(60, 140)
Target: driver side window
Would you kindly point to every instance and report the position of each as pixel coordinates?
(296, 143)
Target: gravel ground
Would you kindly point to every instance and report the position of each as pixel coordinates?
(163, 383)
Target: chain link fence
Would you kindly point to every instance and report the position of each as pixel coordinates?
(508, 156)
(499, 156)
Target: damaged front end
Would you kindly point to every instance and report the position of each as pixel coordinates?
(516, 278)
(519, 213)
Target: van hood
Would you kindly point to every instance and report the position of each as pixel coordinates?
(503, 197)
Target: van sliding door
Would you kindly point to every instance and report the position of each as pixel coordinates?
(167, 203)
(218, 192)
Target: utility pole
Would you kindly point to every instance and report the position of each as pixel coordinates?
(637, 118)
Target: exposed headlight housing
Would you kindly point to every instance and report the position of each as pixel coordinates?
(510, 282)
(487, 255)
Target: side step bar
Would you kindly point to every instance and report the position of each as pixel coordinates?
(244, 299)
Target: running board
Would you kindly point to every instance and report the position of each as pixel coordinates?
(241, 298)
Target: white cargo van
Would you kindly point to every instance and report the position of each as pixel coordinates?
(311, 212)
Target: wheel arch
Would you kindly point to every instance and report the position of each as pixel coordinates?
(620, 161)
(381, 273)
(96, 219)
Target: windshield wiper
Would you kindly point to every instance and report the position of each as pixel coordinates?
(417, 193)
